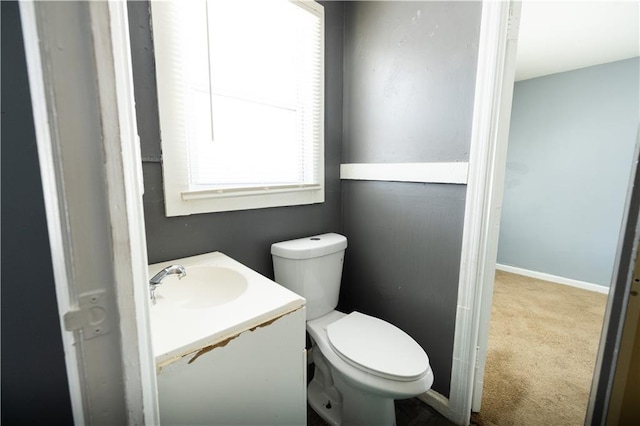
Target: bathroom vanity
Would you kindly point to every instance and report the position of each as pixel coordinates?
(229, 346)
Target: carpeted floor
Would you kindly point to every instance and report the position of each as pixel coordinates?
(543, 341)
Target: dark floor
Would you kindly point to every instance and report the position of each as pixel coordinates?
(409, 412)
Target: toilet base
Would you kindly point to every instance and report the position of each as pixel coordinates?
(341, 404)
(322, 395)
(328, 408)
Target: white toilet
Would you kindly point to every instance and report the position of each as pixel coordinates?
(362, 363)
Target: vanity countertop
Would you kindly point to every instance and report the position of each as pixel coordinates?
(177, 331)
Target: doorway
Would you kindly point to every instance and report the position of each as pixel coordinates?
(532, 162)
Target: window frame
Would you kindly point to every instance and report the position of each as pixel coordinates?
(180, 199)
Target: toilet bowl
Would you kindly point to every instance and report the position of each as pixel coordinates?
(361, 363)
(356, 379)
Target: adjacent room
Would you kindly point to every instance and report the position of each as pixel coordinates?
(571, 146)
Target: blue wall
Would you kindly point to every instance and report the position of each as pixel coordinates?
(570, 152)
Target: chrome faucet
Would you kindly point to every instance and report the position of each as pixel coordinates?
(157, 278)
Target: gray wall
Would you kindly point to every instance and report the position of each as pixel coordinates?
(243, 235)
(409, 74)
(409, 82)
(34, 377)
(570, 152)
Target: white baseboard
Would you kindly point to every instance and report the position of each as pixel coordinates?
(554, 278)
(438, 402)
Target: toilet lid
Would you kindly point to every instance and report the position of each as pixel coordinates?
(378, 347)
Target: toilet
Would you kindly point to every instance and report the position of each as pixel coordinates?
(361, 363)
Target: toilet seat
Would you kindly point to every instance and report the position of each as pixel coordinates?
(375, 346)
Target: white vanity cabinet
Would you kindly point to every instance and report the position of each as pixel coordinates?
(255, 378)
(232, 364)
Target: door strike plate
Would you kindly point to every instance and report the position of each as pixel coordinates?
(92, 315)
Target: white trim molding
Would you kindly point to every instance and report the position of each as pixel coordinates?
(55, 206)
(492, 107)
(437, 401)
(554, 278)
(455, 173)
(125, 187)
(94, 206)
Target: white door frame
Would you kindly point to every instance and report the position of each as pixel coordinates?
(487, 160)
(493, 194)
(492, 114)
(78, 60)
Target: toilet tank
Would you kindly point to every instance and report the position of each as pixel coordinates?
(312, 268)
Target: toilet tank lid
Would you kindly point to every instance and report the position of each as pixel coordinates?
(309, 247)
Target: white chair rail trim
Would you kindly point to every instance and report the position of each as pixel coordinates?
(455, 173)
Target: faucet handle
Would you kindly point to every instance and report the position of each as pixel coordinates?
(152, 293)
(178, 270)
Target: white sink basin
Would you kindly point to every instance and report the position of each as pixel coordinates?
(218, 299)
(203, 287)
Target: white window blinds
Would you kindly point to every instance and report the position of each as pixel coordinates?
(253, 115)
(241, 101)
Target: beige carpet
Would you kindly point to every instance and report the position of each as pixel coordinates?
(543, 341)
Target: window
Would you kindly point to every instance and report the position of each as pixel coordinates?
(241, 102)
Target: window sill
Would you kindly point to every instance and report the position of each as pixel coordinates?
(246, 192)
(186, 203)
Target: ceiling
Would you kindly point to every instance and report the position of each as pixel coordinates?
(558, 36)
